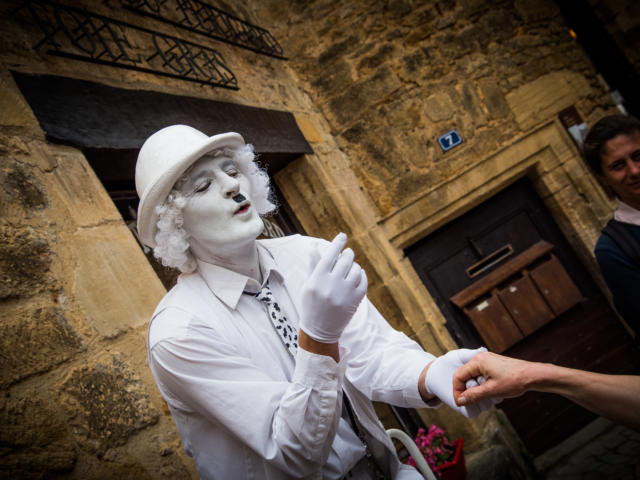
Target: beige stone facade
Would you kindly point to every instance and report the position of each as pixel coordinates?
(371, 86)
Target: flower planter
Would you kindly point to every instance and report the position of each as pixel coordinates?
(456, 468)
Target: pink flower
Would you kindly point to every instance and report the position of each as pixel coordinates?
(435, 447)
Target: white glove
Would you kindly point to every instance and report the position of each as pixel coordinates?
(439, 380)
(332, 293)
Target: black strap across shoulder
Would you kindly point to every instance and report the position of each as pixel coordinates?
(624, 239)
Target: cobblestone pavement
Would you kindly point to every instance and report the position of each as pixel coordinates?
(602, 450)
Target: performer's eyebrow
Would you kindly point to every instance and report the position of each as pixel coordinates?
(203, 173)
(228, 163)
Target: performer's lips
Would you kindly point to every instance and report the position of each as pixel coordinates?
(244, 204)
(243, 209)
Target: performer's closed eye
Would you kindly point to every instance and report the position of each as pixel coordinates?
(203, 187)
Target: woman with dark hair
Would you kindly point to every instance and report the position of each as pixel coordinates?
(612, 150)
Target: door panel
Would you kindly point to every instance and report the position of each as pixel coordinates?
(526, 306)
(568, 322)
(494, 323)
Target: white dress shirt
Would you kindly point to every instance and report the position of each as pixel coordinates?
(244, 408)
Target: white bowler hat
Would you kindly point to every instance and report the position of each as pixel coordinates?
(162, 160)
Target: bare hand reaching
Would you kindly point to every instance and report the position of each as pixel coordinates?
(504, 377)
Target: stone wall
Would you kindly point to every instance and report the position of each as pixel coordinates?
(411, 71)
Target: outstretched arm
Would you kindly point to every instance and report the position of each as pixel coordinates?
(616, 397)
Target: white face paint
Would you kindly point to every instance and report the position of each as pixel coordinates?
(218, 215)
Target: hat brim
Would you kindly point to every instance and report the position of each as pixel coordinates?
(158, 190)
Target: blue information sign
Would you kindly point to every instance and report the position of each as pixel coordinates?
(449, 140)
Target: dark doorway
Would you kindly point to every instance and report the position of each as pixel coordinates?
(513, 230)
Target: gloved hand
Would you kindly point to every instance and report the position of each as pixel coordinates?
(332, 293)
(439, 380)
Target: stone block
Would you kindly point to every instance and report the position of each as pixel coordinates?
(34, 340)
(496, 463)
(75, 187)
(407, 116)
(31, 152)
(541, 99)
(377, 59)
(308, 128)
(381, 171)
(485, 141)
(413, 62)
(498, 24)
(535, 11)
(119, 466)
(365, 260)
(327, 218)
(332, 81)
(106, 403)
(414, 183)
(35, 440)
(551, 182)
(22, 193)
(493, 98)
(356, 132)
(14, 110)
(354, 100)
(115, 285)
(337, 50)
(454, 45)
(471, 103)
(445, 21)
(438, 107)
(474, 65)
(25, 261)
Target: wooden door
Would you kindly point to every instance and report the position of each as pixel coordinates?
(506, 248)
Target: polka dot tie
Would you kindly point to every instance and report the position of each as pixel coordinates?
(288, 334)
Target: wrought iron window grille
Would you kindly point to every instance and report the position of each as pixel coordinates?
(77, 34)
(199, 17)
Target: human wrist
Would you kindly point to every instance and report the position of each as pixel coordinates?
(550, 378)
(541, 377)
(422, 385)
(314, 346)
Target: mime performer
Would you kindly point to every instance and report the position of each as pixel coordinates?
(268, 352)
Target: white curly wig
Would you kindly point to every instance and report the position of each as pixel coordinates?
(172, 241)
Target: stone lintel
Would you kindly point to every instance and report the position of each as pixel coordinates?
(544, 97)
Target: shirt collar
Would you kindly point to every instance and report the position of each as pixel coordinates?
(626, 213)
(228, 285)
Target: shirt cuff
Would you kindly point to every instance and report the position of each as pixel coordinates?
(317, 371)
